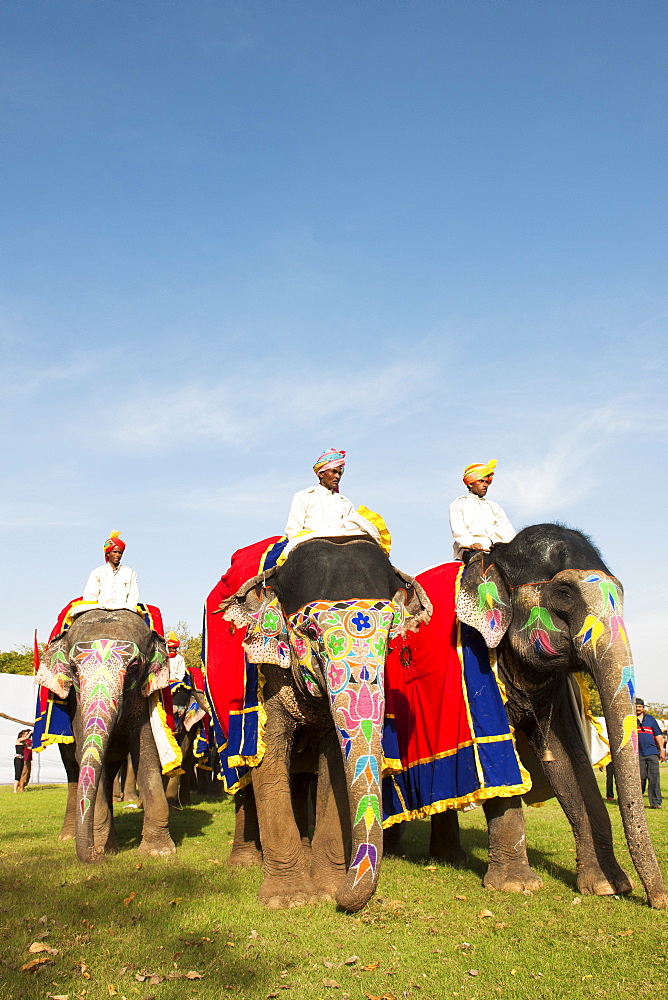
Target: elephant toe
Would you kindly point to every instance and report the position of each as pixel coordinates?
(161, 850)
(603, 886)
(248, 857)
(278, 894)
(512, 880)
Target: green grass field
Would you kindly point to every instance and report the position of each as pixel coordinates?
(189, 928)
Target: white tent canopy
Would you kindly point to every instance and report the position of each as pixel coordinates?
(17, 698)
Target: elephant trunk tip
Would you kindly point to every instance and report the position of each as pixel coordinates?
(351, 902)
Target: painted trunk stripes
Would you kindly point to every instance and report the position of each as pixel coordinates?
(101, 665)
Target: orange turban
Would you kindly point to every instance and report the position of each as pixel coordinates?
(472, 473)
(113, 542)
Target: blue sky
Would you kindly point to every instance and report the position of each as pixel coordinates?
(430, 233)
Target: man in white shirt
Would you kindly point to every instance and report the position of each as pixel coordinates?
(177, 665)
(322, 511)
(112, 586)
(476, 522)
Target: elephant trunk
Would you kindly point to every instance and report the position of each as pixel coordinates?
(610, 674)
(358, 716)
(102, 666)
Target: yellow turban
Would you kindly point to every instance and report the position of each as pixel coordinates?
(472, 473)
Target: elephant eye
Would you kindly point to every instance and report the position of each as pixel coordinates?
(561, 596)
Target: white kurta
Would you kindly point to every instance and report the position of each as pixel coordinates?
(112, 588)
(177, 668)
(325, 514)
(477, 519)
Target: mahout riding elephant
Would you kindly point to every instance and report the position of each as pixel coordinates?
(108, 664)
(320, 625)
(549, 606)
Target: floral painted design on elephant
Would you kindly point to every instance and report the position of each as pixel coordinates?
(609, 622)
(103, 664)
(541, 624)
(348, 642)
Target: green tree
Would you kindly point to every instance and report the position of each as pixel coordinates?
(19, 661)
(191, 645)
(595, 706)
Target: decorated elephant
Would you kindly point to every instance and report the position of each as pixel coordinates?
(109, 666)
(189, 710)
(317, 632)
(546, 606)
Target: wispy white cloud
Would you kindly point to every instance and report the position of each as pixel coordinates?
(569, 466)
(264, 405)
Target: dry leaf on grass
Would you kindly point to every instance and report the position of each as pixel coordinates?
(351, 960)
(176, 900)
(485, 913)
(58, 996)
(128, 899)
(35, 963)
(430, 868)
(381, 996)
(370, 967)
(84, 970)
(461, 897)
(473, 972)
(113, 992)
(38, 946)
(331, 984)
(214, 861)
(625, 933)
(194, 975)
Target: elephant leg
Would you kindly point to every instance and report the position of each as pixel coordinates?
(246, 849)
(286, 881)
(156, 839)
(68, 757)
(301, 784)
(572, 778)
(330, 848)
(187, 782)
(445, 843)
(129, 779)
(392, 839)
(508, 869)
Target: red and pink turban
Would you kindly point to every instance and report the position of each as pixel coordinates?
(330, 459)
(113, 542)
(472, 473)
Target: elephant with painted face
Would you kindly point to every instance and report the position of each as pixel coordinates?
(549, 606)
(108, 664)
(320, 626)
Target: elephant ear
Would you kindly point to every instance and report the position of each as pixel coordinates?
(158, 667)
(55, 672)
(483, 601)
(413, 606)
(256, 608)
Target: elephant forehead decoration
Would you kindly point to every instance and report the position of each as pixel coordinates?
(102, 666)
(347, 641)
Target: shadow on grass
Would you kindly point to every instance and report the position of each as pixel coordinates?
(183, 824)
(415, 849)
